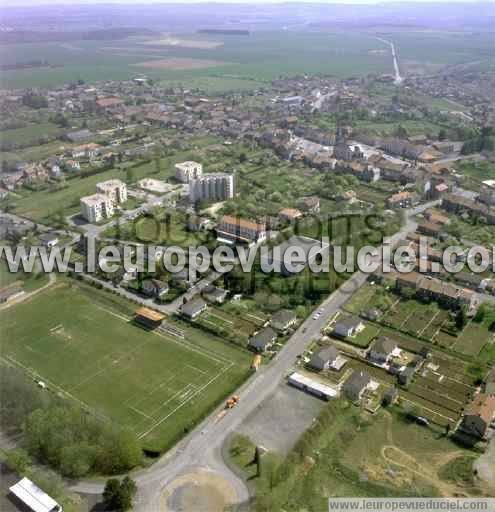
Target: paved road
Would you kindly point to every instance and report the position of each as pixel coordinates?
(168, 309)
(398, 79)
(201, 449)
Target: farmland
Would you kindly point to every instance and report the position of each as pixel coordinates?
(83, 344)
(262, 57)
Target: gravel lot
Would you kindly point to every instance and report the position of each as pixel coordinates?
(282, 418)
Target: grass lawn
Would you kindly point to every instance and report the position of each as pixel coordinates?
(28, 282)
(363, 339)
(82, 343)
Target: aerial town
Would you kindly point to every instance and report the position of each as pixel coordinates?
(151, 390)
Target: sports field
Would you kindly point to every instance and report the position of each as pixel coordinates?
(158, 383)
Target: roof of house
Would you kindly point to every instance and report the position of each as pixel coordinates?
(283, 316)
(356, 383)
(156, 283)
(214, 291)
(242, 223)
(324, 355)
(384, 345)
(263, 338)
(349, 322)
(193, 307)
(291, 213)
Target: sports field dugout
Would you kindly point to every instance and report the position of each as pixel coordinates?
(148, 317)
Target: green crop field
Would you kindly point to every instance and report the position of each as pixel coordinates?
(154, 382)
(238, 62)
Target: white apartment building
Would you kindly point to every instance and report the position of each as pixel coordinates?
(96, 207)
(115, 189)
(102, 205)
(212, 187)
(187, 171)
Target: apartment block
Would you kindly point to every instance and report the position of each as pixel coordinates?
(187, 171)
(235, 229)
(115, 189)
(212, 187)
(96, 207)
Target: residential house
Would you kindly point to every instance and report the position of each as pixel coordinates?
(324, 359)
(290, 214)
(348, 326)
(309, 205)
(403, 199)
(193, 308)
(429, 228)
(214, 294)
(478, 416)
(262, 340)
(356, 385)
(155, 288)
(283, 320)
(382, 350)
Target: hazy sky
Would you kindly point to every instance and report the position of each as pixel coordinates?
(143, 2)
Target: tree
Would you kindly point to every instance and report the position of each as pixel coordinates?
(118, 496)
(442, 134)
(128, 489)
(461, 319)
(111, 494)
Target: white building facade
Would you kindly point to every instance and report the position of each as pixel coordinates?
(187, 171)
(212, 187)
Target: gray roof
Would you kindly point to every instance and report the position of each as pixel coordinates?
(355, 384)
(193, 306)
(283, 316)
(263, 338)
(384, 345)
(323, 356)
(80, 135)
(214, 291)
(349, 322)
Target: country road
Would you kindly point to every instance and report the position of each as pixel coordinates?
(201, 449)
(398, 78)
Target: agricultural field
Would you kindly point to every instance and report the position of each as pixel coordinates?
(421, 52)
(83, 343)
(235, 61)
